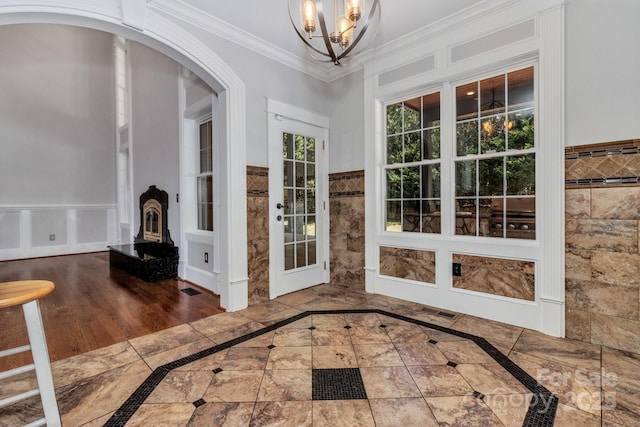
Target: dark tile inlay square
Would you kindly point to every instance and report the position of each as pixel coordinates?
(190, 291)
(337, 384)
(433, 342)
(199, 402)
(217, 370)
(478, 395)
(271, 346)
(452, 364)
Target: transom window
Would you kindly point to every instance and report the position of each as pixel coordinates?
(492, 161)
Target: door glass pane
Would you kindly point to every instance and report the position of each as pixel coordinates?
(287, 146)
(289, 262)
(299, 191)
(301, 255)
(311, 252)
(288, 201)
(311, 149)
(299, 174)
(288, 229)
(311, 227)
(300, 147)
(311, 202)
(288, 173)
(300, 228)
(300, 201)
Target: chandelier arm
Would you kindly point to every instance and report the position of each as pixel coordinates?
(304, 38)
(325, 34)
(376, 4)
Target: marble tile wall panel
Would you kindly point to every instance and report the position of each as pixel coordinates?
(346, 229)
(496, 276)
(602, 259)
(408, 264)
(258, 234)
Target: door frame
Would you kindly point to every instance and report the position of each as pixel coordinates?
(276, 112)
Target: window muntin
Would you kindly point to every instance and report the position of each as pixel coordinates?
(493, 160)
(495, 156)
(412, 171)
(204, 179)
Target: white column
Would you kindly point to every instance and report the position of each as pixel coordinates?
(550, 279)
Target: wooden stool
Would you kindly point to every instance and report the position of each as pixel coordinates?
(27, 292)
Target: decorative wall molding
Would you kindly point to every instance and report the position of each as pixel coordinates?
(26, 230)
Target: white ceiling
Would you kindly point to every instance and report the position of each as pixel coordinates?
(268, 20)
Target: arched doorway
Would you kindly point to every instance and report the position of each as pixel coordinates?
(141, 22)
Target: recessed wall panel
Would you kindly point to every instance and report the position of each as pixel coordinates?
(496, 276)
(494, 40)
(417, 67)
(408, 264)
(48, 228)
(92, 226)
(9, 230)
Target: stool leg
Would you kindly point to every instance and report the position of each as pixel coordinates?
(40, 353)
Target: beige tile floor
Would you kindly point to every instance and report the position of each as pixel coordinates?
(403, 367)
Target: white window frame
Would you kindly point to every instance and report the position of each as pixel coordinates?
(544, 49)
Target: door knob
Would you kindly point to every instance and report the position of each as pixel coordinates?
(279, 205)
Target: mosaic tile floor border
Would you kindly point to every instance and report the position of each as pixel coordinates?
(541, 412)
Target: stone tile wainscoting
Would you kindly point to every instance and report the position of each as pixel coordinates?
(258, 233)
(602, 214)
(496, 276)
(346, 230)
(408, 264)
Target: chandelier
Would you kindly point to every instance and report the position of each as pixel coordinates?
(350, 20)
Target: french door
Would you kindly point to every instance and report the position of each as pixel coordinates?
(298, 216)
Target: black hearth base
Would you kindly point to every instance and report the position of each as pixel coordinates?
(149, 261)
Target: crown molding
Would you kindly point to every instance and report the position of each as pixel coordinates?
(211, 24)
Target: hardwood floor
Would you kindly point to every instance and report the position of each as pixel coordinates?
(94, 306)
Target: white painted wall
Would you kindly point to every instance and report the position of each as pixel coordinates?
(602, 68)
(56, 116)
(154, 125)
(57, 141)
(265, 78)
(347, 147)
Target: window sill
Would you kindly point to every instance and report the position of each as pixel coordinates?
(200, 236)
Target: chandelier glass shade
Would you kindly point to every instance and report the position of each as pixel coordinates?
(342, 26)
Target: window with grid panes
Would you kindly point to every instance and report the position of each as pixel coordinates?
(412, 169)
(204, 179)
(495, 156)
